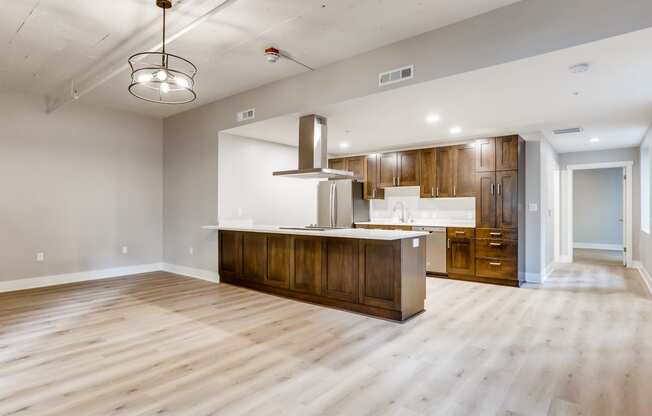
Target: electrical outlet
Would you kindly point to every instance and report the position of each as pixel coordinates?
(40, 256)
(239, 212)
(191, 250)
(125, 249)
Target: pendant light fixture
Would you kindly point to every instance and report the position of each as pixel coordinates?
(162, 77)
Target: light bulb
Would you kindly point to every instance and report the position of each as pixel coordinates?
(182, 82)
(162, 75)
(143, 78)
(165, 87)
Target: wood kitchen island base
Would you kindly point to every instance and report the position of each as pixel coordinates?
(382, 278)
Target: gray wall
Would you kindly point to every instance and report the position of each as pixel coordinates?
(598, 206)
(646, 239)
(77, 185)
(533, 219)
(613, 155)
(483, 41)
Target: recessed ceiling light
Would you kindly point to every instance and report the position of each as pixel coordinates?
(432, 118)
(594, 140)
(344, 145)
(455, 130)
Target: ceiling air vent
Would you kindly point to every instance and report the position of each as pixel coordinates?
(395, 75)
(572, 130)
(247, 114)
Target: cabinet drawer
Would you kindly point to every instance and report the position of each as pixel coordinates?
(384, 227)
(461, 232)
(498, 269)
(503, 249)
(496, 233)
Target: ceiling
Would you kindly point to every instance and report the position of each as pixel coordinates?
(534, 95)
(48, 42)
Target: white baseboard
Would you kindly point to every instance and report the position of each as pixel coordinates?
(645, 274)
(202, 274)
(533, 278)
(592, 246)
(61, 279)
(564, 259)
(548, 271)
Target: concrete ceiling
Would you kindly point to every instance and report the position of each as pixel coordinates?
(612, 101)
(47, 42)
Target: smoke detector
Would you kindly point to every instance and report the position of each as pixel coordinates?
(272, 55)
(580, 68)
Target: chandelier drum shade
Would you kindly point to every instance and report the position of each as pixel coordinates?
(162, 77)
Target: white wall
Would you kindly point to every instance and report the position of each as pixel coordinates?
(248, 192)
(598, 207)
(77, 184)
(549, 205)
(428, 209)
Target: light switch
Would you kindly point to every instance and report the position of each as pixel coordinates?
(533, 207)
(415, 242)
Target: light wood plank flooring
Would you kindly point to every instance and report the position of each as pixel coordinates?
(164, 344)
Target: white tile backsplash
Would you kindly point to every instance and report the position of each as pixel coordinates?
(420, 208)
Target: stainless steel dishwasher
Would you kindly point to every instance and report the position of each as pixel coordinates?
(435, 249)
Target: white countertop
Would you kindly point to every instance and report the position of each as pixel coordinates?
(425, 223)
(358, 233)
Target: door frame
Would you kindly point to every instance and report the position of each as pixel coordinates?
(628, 213)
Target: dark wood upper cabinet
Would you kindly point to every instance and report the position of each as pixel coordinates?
(305, 265)
(485, 155)
(485, 203)
(507, 153)
(460, 256)
(427, 166)
(340, 269)
(356, 165)
(408, 168)
(337, 164)
(507, 199)
(444, 172)
(387, 170)
(464, 167)
(379, 273)
(372, 189)
(278, 261)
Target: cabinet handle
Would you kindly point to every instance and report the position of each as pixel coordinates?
(493, 188)
(460, 232)
(496, 244)
(449, 243)
(495, 234)
(495, 264)
(499, 189)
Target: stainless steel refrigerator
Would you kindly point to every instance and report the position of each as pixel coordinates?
(341, 203)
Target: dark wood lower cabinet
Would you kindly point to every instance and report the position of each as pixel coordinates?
(375, 277)
(306, 264)
(278, 261)
(379, 285)
(340, 268)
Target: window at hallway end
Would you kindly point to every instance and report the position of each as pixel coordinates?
(645, 186)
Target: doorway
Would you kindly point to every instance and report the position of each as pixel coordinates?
(598, 213)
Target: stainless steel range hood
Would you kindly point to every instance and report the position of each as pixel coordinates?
(313, 152)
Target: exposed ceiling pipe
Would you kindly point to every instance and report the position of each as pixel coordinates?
(72, 90)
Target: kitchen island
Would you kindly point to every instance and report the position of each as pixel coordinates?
(375, 272)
